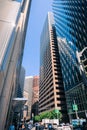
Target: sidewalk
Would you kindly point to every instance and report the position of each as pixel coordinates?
(33, 128)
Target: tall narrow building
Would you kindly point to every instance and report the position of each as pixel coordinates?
(35, 96)
(51, 93)
(13, 25)
(70, 21)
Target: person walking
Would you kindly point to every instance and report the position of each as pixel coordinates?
(11, 127)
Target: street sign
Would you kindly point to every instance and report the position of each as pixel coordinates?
(56, 111)
(75, 107)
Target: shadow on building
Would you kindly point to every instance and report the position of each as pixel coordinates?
(34, 109)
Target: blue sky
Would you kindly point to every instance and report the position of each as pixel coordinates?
(31, 57)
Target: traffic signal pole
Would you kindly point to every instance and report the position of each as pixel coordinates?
(76, 111)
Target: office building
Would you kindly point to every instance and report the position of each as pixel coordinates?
(21, 82)
(13, 25)
(70, 21)
(51, 89)
(35, 95)
(28, 88)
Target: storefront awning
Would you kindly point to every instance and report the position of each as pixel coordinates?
(18, 103)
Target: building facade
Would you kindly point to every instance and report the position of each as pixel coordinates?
(70, 21)
(13, 25)
(21, 82)
(35, 96)
(28, 88)
(51, 89)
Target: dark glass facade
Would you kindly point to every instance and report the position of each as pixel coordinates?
(70, 70)
(70, 21)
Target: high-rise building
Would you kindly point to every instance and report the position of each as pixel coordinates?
(21, 82)
(35, 89)
(28, 88)
(13, 25)
(31, 92)
(35, 95)
(51, 89)
(70, 21)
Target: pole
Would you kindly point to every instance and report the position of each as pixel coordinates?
(57, 119)
(76, 111)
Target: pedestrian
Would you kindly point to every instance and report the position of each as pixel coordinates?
(23, 126)
(11, 127)
(20, 127)
(84, 126)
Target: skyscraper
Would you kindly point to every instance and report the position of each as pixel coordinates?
(51, 92)
(13, 25)
(21, 82)
(70, 21)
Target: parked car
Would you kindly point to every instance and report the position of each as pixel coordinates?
(55, 126)
(60, 127)
(64, 127)
(30, 126)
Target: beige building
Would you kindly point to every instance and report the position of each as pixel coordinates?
(13, 24)
(35, 96)
(51, 92)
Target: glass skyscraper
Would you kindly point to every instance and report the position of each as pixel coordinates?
(70, 21)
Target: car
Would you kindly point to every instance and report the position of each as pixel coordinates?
(30, 126)
(60, 127)
(66, 127)
(55, 126)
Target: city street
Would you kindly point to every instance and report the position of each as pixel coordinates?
(54, 129)
(43, 64)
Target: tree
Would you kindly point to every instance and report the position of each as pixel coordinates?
(54, 114)
(37, 118)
